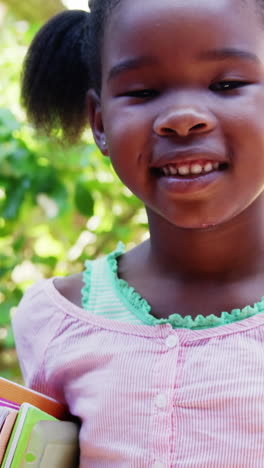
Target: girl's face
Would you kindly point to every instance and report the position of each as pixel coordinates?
(182, 106)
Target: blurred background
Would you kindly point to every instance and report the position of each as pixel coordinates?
(58, 206)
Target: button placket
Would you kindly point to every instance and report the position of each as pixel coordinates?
(161, 400)
(158, 464)
(171, 341)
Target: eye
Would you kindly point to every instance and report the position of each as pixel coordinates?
(142, 93)
(223, 86)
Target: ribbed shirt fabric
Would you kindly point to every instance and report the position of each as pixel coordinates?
(147, 396)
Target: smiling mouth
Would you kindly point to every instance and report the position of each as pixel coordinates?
(190, 169)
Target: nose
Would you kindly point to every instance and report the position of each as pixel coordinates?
(183, 122)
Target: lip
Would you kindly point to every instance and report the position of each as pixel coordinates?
(190, 185)
(190, 155)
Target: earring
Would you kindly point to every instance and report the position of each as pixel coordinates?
(104, 143)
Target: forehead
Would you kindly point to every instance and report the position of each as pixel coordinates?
(128, 11)
(140, 27)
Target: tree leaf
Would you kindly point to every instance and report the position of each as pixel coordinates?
(14, 197)
(8, 122)
(83, 199)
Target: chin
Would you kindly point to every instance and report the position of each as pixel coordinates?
(198, 227)
(204, 225)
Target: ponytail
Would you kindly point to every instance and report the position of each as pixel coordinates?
(56, 75)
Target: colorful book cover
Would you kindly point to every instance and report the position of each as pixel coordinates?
(52, 444)
(13, 395)
(28, 416)
(38, 440)
(8, 404)
(6, 431)
(4, 412)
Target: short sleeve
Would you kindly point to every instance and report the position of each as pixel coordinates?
(35, 323)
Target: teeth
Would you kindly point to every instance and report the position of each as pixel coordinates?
(173, 170)
(196, 169)
(184, 170)
(166, 171)
(208, 167)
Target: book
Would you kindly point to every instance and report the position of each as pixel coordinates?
(4, 412)
(6, 432)
(52, 444)
(36, 431)
(38, 440)
(13, 395)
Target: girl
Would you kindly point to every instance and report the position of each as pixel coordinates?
(159, 354)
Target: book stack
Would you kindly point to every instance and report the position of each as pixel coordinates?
(35, 430)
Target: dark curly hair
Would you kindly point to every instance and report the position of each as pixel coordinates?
(59, 68)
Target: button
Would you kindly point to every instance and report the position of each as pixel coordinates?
(161, 400)
(158, 464)
(172, 341)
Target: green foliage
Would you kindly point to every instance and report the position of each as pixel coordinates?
(58, 206)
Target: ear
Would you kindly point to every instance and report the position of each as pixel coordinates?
(94, 109)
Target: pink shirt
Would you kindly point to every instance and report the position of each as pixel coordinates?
(147, 396)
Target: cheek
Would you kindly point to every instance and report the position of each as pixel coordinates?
(245, 139)
(244, 129)
(125, 122)
(129, 136)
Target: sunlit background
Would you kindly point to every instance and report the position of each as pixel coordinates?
(76, 4)
(58, 206)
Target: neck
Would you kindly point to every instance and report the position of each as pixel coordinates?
(230, 251)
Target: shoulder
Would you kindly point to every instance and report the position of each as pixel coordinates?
(70, 288)
(35, 323)
(36, 308)
(37, 294)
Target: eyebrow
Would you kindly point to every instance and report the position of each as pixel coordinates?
(230, 53)
(130, 64)
(214, 54)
